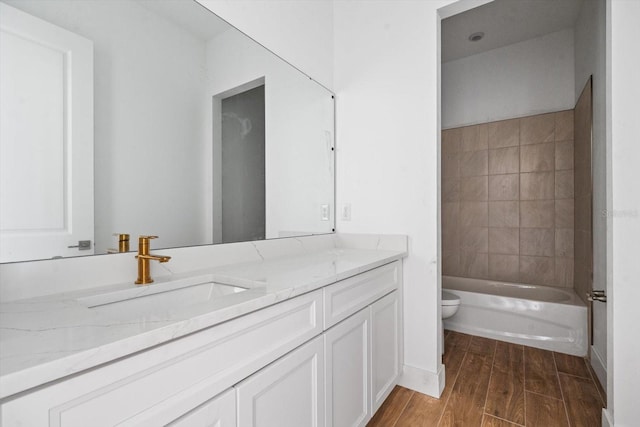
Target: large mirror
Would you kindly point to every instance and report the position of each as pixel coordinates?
(152, 117)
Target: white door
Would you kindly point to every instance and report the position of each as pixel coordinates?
(348, 370)
(385, 348)
(46, 139)
(287, 393)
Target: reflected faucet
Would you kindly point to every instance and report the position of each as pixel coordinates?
(144, 274)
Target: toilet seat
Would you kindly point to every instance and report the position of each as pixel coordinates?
(450, 299)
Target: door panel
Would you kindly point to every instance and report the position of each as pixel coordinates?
(583, 235)
(46, 122)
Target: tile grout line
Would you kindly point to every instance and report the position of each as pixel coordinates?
(544, 395)
(564, 403)
(493, 361)
(403, 408)
(575, 376)
(503, 419)
(444, 407)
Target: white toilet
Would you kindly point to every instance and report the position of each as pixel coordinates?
(450, 304)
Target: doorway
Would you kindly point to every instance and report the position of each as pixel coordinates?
(243, 166)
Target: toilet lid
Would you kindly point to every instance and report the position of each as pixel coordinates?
(450, 299)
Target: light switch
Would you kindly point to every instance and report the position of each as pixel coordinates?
(346, 212)
(324, 213)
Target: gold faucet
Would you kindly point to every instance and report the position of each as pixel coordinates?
(123, 244)
(143, 257)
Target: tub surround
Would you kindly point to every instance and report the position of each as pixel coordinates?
(49, 335)
(507, 200)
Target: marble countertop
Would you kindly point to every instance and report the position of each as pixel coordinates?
(47, 338)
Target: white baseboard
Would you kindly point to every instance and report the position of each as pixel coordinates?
(599, 367)
(422, 381)
(607, 421)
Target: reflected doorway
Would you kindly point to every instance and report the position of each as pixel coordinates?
(243, 166)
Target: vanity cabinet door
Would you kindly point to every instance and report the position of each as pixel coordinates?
(217, 412)
(385, 347)
(287, 393)
(347, 374)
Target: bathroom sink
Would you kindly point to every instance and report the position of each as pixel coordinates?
(158, 300)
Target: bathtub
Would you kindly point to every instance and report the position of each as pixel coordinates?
(537, 316)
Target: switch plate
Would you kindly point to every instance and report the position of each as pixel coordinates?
(324, 213)
(346, 212)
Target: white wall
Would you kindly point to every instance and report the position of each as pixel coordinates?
(299, 31)
(386, 79)
(531, 77)
(298, 136)
(590, 59)
(147, 133)
(625, 230)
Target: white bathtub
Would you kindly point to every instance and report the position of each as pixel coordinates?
(537, 316)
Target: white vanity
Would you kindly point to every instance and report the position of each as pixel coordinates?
(305, 332)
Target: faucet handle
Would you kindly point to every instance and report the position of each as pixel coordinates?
(148, 237)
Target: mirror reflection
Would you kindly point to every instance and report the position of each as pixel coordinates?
(152, 117)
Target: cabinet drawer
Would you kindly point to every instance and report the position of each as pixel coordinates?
(348, 296)
(159, 385)
(218, 412)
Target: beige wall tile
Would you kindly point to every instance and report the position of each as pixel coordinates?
(505, 133)
(536, 186)
(474, 188)
(504, 241)
(504, 214)
(450, 189)
(564, 272)
(537, 157)
(450, 214)
(473, 264)
(564, 213)
(564, 125)
(474, 214)
(504, 160)
(564, 242)
(504, 187)
(451, 140)
(564, 184)
(450, 165)
(537, 241)
(564, 155)
(537, 214)
(475, 138)
(536, 129)
(451, 263)
(537, 270)
(508, 201)
(474, 239)
(474, 163)
(504, 267)
(450, 238)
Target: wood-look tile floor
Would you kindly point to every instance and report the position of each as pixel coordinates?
(494, 383)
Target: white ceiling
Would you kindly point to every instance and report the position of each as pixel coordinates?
(505, 22)
(190, 15)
